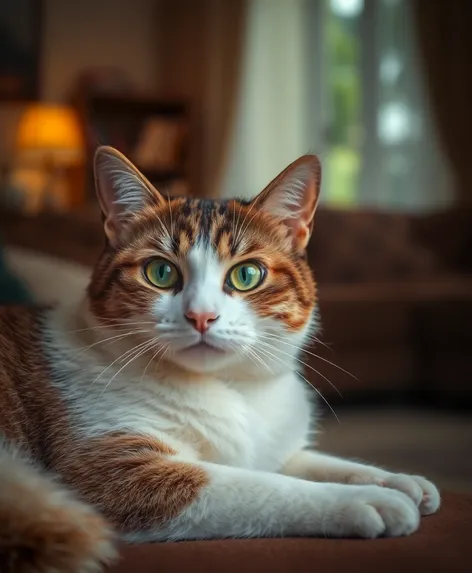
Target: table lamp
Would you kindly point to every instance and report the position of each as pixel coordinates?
(49, 146)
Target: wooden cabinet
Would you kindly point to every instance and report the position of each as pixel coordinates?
(152, 133)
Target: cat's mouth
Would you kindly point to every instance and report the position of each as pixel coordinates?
(203, 346)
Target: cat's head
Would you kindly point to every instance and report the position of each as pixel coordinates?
(215, 284)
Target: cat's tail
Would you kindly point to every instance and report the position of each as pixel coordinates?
(43, 529)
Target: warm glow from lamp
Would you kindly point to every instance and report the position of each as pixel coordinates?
(49, 158)
(50, 133)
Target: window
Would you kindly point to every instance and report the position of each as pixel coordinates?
(343, 130)
(380, 148)
(340, 78)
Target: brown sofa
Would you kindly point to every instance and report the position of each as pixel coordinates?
(395, 296)
(443, 544)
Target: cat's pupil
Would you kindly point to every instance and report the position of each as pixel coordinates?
(246, 273)
(163, 271)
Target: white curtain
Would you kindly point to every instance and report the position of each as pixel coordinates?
(286, 105)
(402, 165)
(270, 129)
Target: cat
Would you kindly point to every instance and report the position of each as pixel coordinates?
(167, 404)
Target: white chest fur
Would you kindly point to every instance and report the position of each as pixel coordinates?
(253, 425)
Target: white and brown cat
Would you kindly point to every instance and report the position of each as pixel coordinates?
(167, 405)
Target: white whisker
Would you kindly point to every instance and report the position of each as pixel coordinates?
(161, 357)
(132, 359)
(109, 326)
(267, 353)
(303, 363)
(115, 337)
(301, 349)
(252, 353)
(137, 348)
(120, 357)
(160, 347)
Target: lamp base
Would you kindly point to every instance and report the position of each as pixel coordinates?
(33, 190)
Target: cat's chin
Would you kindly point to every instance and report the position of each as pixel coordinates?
(203, 357)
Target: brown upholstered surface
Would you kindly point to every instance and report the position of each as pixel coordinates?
(443, 544)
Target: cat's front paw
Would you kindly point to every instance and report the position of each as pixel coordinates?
(372, 511)
(424, 493)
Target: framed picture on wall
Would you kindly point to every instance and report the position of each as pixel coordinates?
(20, 43)
(151, 133)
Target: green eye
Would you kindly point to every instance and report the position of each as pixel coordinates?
(246, 276)
(161, 273)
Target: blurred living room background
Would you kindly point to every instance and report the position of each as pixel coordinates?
(215, 98)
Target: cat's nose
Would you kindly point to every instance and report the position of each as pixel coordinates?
(201, 321)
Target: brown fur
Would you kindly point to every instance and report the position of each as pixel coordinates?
(132, 480)
(42, 527)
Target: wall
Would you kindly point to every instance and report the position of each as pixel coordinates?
(87, 33)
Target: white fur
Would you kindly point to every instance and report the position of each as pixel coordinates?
(242, 415)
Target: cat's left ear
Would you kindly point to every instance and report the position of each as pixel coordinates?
(293, 197)
(122, 190)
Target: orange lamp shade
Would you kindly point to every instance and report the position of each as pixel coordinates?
(52, 131)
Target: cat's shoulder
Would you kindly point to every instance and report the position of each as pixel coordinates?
(15, 313)
(13, 317)
(21, 326)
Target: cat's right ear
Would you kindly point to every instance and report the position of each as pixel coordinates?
(122, 190)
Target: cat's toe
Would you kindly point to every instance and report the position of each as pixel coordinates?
(372, 511)
(398, 513)
(424, 493)
(405, 484)
(431, 498)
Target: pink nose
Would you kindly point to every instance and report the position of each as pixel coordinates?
(201, 321)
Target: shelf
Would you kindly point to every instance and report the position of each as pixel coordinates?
(143, 105)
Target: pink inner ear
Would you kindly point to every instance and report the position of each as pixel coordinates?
(110, 230)
(302, 234)
(293, 197)
(122, 189)
(294, 193)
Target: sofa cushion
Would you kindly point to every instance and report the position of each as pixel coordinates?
(49, 279)
(361, 246)
(442, 544)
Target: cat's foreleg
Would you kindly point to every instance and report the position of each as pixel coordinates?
(149, 493)
(237, 502)
(319, 467)
(243, 503)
